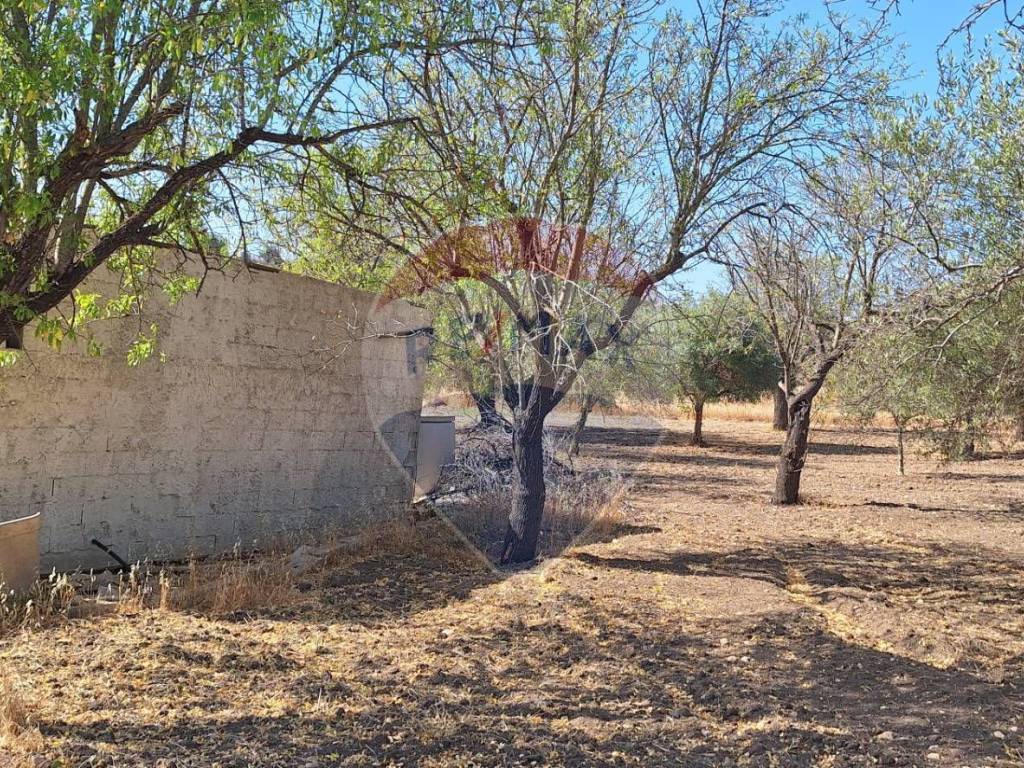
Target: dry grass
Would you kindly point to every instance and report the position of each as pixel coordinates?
(260, 581)
(234, 583)
(759, 411)
(603, 520)
(229, 586)
(45, 604)
(478, 492)
(713, 629)
(19, 739)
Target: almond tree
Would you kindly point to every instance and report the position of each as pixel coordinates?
(134, 125)
(575, 174)
(821, 271)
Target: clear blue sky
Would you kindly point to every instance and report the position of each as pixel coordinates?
(920, 26)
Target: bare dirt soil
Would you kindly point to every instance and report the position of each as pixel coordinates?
(879, 623)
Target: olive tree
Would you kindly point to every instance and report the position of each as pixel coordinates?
(706, 351)
(881, 376)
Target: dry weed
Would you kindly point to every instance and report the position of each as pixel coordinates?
(19, 739)
(230, 585)
(45, 604)
(267, 580)
(826, 413)
(397, 537)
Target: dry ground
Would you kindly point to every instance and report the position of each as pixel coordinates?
(880, 623)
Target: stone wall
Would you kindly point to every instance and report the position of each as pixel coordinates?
(280, 404)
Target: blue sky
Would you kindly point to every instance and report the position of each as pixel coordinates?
(920, 26)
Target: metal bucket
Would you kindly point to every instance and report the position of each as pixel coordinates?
(19, 553)
(435, 448)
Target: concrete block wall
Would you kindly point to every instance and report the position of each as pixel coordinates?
(283, 404)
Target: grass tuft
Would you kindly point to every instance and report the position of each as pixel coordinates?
(20, 740)
(45, 604)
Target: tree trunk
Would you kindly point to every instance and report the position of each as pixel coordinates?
(899, 444)
(794, 452)
(488, 410)
(581, 423)
(1018, 432)
(698, 423)
(12, 335)
(794, 449)
(780, 415)
(528, 497)
(969, 448)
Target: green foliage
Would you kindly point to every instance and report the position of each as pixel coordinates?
(959, 385)
(129, 125)
(709, 350)
(143, 347)
(724, 353)
(878, 376)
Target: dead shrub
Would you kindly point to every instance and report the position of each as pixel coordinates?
(475, 495)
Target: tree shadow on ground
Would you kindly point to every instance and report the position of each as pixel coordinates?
(1014, 511)
(993, 477)
(953, 571)
(586, 687)
(817, 445)
(710, 456)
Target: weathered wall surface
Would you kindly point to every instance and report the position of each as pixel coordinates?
(278, 407)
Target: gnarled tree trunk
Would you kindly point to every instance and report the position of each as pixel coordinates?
(794, 449)
(698, 423)
(780, 414)
(589, 401)
(794, 452)
(524, 523)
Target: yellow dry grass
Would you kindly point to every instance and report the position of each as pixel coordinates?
(46, 603)
(759, 411)
(19, 739)
(229, 586)
(253, 582)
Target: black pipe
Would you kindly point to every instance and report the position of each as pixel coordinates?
(124, 566)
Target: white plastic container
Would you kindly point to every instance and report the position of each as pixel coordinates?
(19, 553)
(436, 447)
